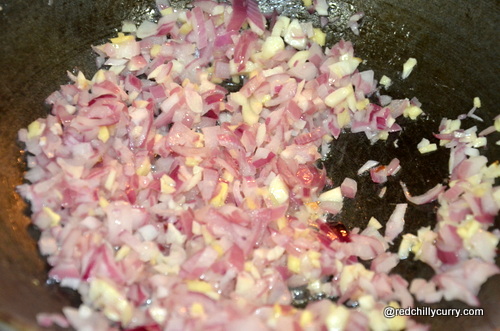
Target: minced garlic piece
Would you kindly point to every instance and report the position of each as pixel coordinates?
(112, 303)
(319, 37)
(103, 134)
(167, 184)
(412, 112)
(55, 218)
(35, 129)
(271, 46)
(408, 67)
(339, 95)
(293, 264)
(424, 146)
(306, 318)
(144, 168)
(220, 199)
(477, 102)
(278, 190)
(122, 38)
(385, 81)
(201, 286)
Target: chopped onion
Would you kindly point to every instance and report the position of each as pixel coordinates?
(179, 189)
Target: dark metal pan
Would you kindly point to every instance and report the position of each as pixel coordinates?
(456, 44)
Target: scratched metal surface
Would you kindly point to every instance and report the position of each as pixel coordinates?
(456, 45)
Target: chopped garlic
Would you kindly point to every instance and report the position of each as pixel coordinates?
(373, 222)
(339, 95)
(306, 318)
(397, 322)
(252, 269)
(412, 112)
(377, 321)
(197, 310)
(275, 253)
(166, 11)
(293, 264)
(314, 257)
(55, 218)
(198, 286)
(352, 272)
(271, 46)
(366, 302)
(278, 190)
(35, 129)
(468, 228)
(186, 28)
(408, 67)
(174, 236)
(314, 286)
(103, 202)
(167, 184)
(103, 134)
(385, 81)
(158, 314)
(144, 168)
(99, 76)
(122, 253)
(218, 248)
(244, 283)
(362, 104)
(129, 26)
(70, 109)
(406, 246)
(56, 129)
(479, 142)
(344, 118)
(497, 124)
(319, 37)
(337, 317)
(345, 67)
(220, 199)
(113, 304)
(492, 171)
(201, 286)
(122, 38)
(192, 161)
(218, 10)
(155, 50)
(282, 222)
(251, 108)
(425, 234)
(477, 102)
(424, 146)
(110, 180)
(280, 26)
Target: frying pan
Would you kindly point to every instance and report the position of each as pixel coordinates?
(456, 45)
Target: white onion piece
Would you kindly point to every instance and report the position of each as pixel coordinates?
(395, 224)
(368, 165)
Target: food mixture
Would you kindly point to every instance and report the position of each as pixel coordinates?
(178, 188)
